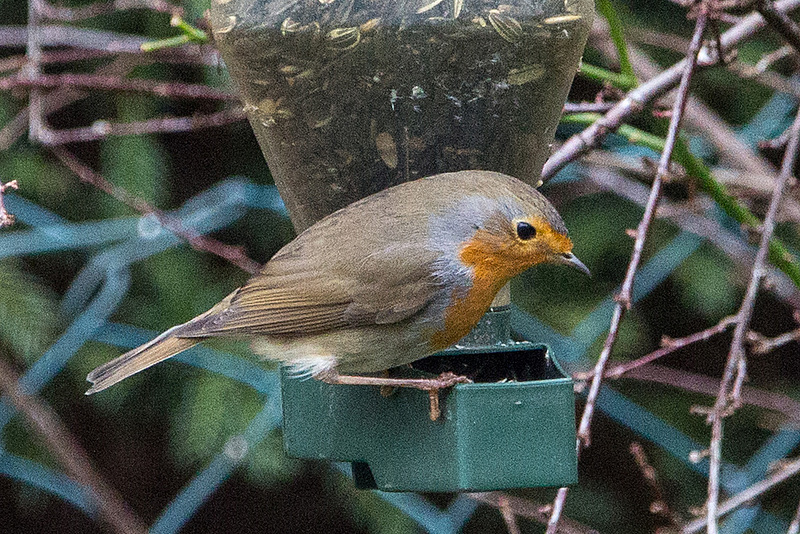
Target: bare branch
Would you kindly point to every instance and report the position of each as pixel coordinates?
(233, 254)
(508, 515)
(116, 83)
(103, 129)
(794, 526)
(6, 219)
(659, 504)
(530, 510)
(779, 22)
(625, 296)
(706, 385)
(787, 470)
(638, 98)
(72, 14)
(730, 386)
(670, 346)
(66, 449)
(762, 345)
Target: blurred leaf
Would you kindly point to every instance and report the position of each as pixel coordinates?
(704, 286)
(135, 163)
(268, 464)
(213, 409)
(28, 311)
(373, 513)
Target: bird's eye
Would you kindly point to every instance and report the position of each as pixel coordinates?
(525, 231)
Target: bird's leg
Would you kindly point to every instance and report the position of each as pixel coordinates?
(431, 385)
(387, 391)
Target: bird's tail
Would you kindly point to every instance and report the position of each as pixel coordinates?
(159, 349)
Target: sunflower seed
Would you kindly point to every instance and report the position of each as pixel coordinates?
(508, 27)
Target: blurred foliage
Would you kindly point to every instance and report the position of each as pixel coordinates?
(29, 309)
(179, 418)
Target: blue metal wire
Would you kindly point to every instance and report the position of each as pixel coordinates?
(99, 288)
(39, 476)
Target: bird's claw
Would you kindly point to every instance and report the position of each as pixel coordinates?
(448, 380)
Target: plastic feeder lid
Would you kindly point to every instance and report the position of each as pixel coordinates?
(514, 427)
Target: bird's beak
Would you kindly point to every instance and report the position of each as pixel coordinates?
(571, 260)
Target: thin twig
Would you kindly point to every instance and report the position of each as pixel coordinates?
(659, 505)
(670, 346)
(530, 510)
(706, 385)
(60, 442)
(110, 42)
(780, 22)
(233, 254)
(794, 526)
(37, 127)
(115, 83)
(508, 515)
(686, 216)
(624, 297)
(784, 472)
(734, 373)
(6, 219)
(762, 344)
(647, 92)
(73, 14)
(587, 107)
(103, 129)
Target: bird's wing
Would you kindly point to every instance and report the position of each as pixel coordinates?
(291, 297)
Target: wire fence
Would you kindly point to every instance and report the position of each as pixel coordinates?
(100, 287)
(104, 282)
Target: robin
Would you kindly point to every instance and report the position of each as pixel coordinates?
(383, 282)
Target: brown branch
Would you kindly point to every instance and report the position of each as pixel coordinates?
(103, 129)
(66, 449)
(701, 118)
(73, 14)
(508, 515)
(60, 98)
(794, 526)
(233, 254)
(762, 345)
(600, 169)
(530, 510)
(670, 346)
(659, 505)
(37, 126)
(109, 42)
(624, 297)
(638, 98)
(115, 83)
(6, 219)
(706, 385)
(780, 22)
(587, 107)
(784, 472)
(735, 368)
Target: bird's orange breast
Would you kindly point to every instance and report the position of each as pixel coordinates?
(490, 274)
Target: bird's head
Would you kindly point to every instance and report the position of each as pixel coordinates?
(502, 233)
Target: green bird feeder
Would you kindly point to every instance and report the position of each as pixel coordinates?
(513, 427)
(349, 97)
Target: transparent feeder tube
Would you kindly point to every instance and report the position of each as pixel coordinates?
(349, 97)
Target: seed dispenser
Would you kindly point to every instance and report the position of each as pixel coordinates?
(349, 97)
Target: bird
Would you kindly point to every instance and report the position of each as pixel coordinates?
(387, 280)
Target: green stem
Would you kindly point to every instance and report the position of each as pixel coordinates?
(622, 81)
(195, 35)
(151, 46)
(606, 9)
(189, 34)
(779, 255)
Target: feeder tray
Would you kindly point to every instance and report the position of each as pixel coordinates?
(514, 427)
